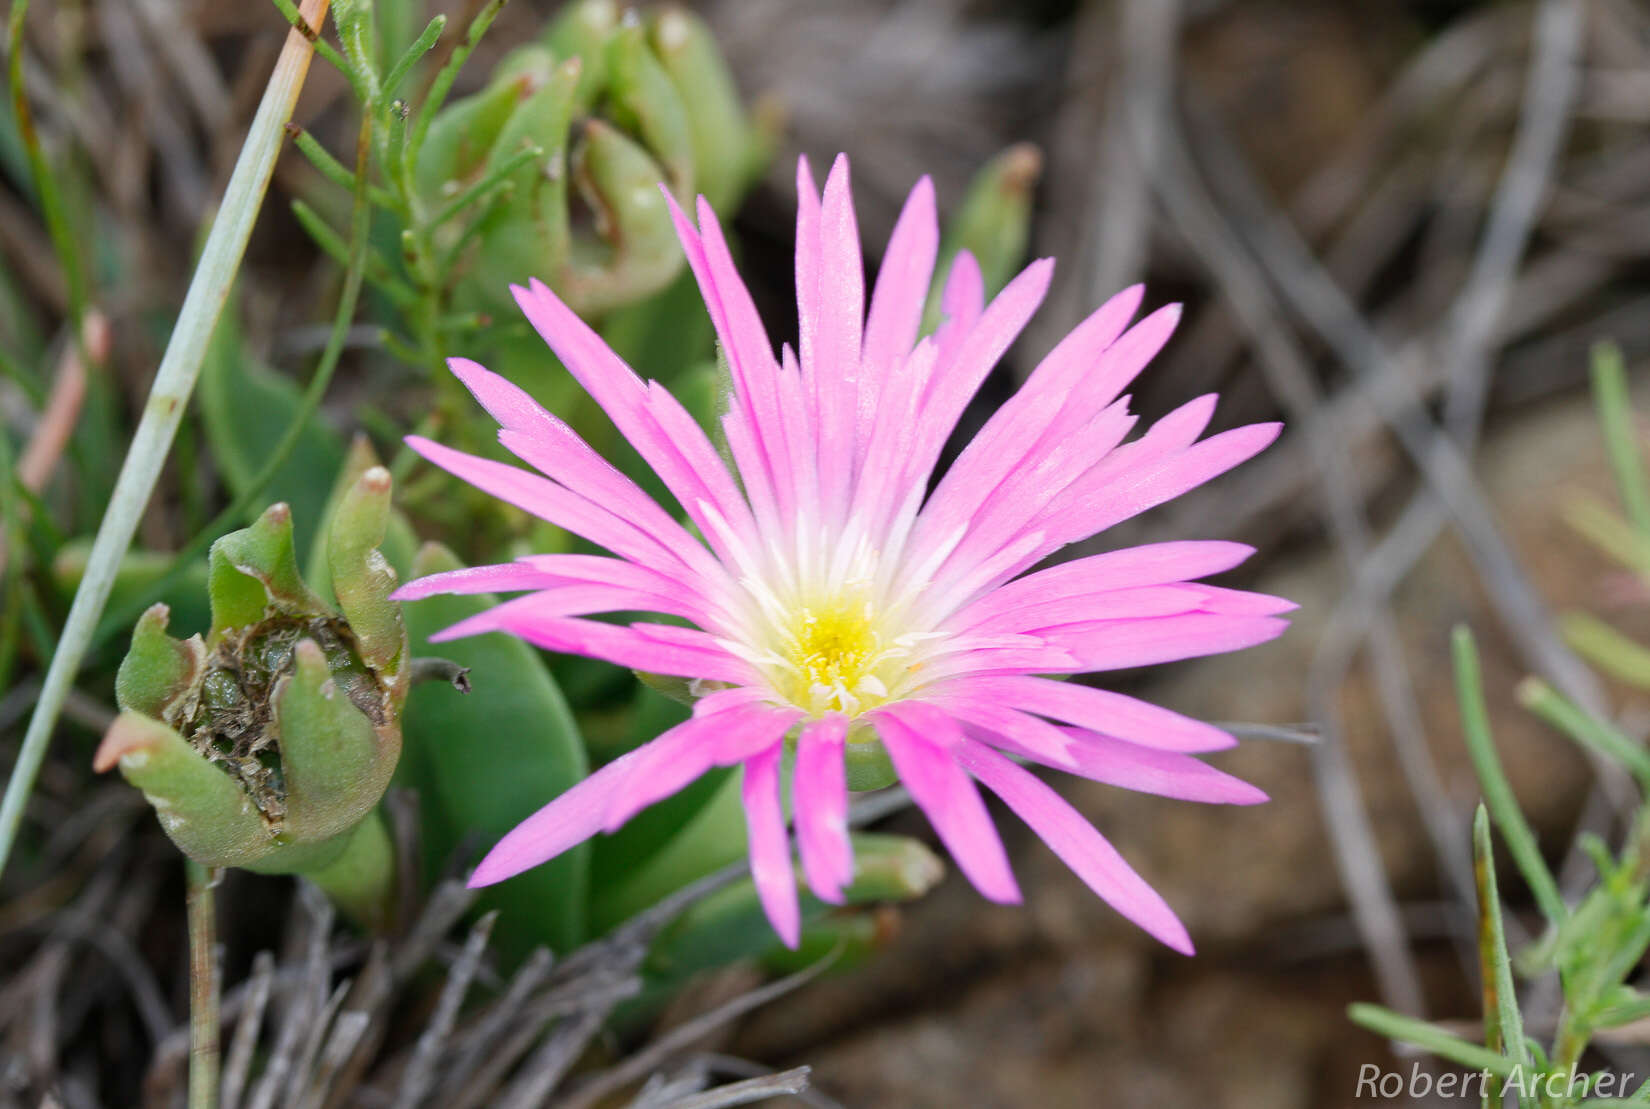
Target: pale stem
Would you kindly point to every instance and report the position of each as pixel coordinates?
(203, 987)
(174, 381)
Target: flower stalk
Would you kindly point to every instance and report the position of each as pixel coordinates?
(203, 986)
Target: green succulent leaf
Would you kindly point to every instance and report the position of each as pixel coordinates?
(485, 761)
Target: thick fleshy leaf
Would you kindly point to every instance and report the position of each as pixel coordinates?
(484, 761)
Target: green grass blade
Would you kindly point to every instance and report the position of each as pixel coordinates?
(1615, 417)
(1498, 794)
(1563, 714)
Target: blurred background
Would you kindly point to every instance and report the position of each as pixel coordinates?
(1398, 227)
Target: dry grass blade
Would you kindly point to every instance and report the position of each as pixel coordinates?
(420, 1074)
(638, 1066)
(485, 1036)
(238, 1063)
(793, 1081)
(303, 1084)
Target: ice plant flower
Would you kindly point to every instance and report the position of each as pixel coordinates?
(838, 607)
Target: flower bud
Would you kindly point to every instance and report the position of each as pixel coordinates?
(654, 103)
(728, 152)
(620, 182)
(643, 100)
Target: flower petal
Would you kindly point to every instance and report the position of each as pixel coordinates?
(1100, 710)
(1036, 737)
(548, 501)
(570, 819)
(1116, 762)
(1118, 644)
(903, 280)
(681, 755)
(612, 642)
(1078, 844)
(770, 846)
(507, 577)
(919, 739)
(1150, 564)
(819, 799)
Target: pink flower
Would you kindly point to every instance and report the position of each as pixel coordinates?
(834, 601)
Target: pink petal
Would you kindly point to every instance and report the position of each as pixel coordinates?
(1143, 769)
(1152, 564)
(1036, 737)
(836, 376)
(570, 819)
(819, 797)
(590, 476)
(902, 281)
(602, 373)
(972, 662)
(598, 569)
(1039, 416)
(770, 847)
(1241, 602)
(682, 457)
(1118, 604)
(611, 642)
(508, 577)
(587, 807)
(1104, 378)
(679, 757)
(548, 501)
(1118, 644)
(919, 738)
(810, 290)
(1095, 507)
(961, 302)
(1101, 710)
(1077, 843)
(574, 599)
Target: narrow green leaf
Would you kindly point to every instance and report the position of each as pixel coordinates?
(1609, 533)
(1498, 794)
(1429, 1037)
(1615, 417)
(443, 83)
(1606, 648)
(1563, 714)
(1503, 1024)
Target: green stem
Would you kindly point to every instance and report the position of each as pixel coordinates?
(174, 381)
(203, 988)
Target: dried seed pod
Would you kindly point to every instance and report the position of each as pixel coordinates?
(268, 743)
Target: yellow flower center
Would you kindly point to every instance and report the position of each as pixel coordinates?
(833, 657)
(834, 645)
